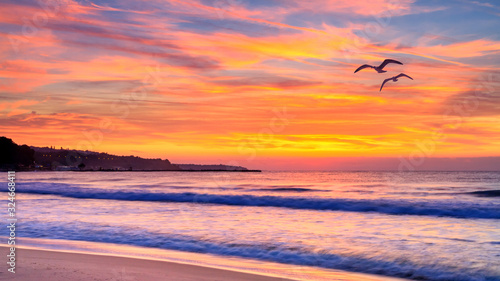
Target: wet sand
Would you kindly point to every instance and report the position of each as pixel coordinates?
(45, 265)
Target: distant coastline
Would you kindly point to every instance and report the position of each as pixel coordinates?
(32, 158)
(231, 171)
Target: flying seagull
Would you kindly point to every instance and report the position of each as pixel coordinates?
(394, 79)
(379, 68)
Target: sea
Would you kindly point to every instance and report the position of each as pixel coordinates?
(300, 225)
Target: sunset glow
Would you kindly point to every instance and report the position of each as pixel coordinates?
(256, 83)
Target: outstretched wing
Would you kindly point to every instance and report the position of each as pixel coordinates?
(387, 61)
(385, 81)
(403, 75)
(362, 67)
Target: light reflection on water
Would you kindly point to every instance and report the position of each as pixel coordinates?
(414, 246)
(294, 272)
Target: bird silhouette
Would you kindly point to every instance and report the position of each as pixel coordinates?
(394, 79)
(379, 68)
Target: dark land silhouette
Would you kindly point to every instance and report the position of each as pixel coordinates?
(15, 157)
(219, 167)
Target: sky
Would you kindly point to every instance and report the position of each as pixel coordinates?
(262, 84)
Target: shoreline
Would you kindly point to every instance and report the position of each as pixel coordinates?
(58, 264)
(51, 265)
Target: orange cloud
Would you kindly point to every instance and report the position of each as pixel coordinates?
(463, 49)
(15, 108)
(184, 80)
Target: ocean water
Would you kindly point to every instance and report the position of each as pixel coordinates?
(419, 225)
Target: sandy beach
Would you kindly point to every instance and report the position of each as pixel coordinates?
(45, 265)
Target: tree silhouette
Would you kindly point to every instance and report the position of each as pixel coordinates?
(13, 155)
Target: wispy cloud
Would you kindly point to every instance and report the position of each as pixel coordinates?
(221, 68)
